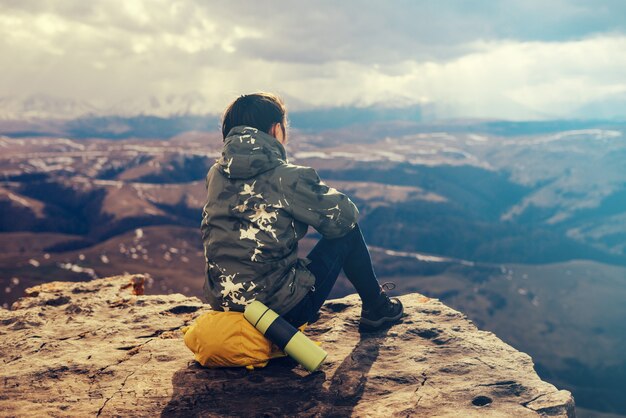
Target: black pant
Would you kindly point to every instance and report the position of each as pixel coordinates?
(328, 257)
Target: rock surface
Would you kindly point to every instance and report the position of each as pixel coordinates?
(101, 348)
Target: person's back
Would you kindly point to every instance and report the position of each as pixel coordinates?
(258, 207)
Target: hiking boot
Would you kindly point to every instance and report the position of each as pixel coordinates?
(385, 311)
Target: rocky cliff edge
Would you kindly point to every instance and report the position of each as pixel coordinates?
(101, 348)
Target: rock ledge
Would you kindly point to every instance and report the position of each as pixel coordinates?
(102, 348)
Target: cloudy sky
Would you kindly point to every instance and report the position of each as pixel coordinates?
(513, 59)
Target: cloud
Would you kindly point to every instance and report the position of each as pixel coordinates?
(512, 59)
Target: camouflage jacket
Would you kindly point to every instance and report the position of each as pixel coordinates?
(258, 207)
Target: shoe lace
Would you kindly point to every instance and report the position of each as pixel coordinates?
(388, 286)
(385, 304)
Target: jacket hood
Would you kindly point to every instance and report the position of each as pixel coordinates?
(248, 152)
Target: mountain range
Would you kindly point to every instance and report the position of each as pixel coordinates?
(518, 224)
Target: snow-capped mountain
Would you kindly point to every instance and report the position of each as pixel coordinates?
(43, 106)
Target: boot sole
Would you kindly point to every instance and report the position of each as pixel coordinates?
(378, 323)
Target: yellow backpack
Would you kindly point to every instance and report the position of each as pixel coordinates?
(227, 339)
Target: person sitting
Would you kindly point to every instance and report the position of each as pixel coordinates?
(259, 205)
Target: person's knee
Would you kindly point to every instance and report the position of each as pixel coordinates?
(353, 235)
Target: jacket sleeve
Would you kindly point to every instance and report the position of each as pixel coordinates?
(327, 210)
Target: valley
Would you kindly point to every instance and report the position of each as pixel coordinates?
(524, 233)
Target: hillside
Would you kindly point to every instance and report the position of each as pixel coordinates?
(520, 225)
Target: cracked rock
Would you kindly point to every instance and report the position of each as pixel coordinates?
(122, 354)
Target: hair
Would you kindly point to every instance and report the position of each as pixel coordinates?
(257, 110)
